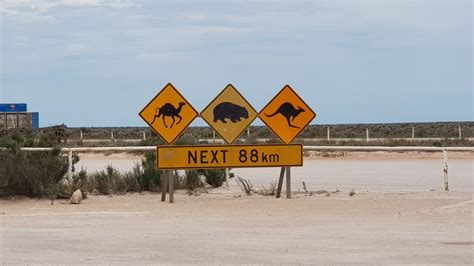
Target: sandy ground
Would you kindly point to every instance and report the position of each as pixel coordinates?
(394, 218)
(228, 227)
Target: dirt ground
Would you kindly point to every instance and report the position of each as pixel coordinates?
(394, 217)
(224, 226)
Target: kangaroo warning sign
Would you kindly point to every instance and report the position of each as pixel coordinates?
(168, 114)
(229, 114)
(287, 114)
(225, 156)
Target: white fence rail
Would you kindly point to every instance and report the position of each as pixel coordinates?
(347, 148)
(444, 150)
(263, 140)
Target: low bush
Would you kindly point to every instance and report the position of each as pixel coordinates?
(270, 190)
(33, 174)
(245, 185)
(214, 177)
(150, 177)
(193, 180)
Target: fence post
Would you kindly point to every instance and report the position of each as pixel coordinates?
(81, 135)
(329, 134)
(367, 131)
(112, 135)
(445, 170)
(460, 135)
(144, 135)
(413, 133)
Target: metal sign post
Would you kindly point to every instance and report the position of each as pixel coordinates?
(280, 182)
(171, 185)
(164, 185)
(288, 182)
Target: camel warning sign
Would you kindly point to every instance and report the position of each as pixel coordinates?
(168, 114)
(229, 114)
(287, 114)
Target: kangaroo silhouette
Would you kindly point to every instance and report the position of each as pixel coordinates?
(289, 112)
(169, 110)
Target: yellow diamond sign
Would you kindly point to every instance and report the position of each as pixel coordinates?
(168, 114)
(229, 114)
(287, 114)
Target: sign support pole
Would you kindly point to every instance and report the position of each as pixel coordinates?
(164, 186)
(280, 182)
(171, 184)
(227, 174)
(288, 182)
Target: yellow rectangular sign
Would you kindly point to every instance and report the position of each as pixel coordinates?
(229, 156)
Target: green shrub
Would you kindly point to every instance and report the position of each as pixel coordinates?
(214, 177)
(179, 180)
(150, 179)
(131, 179)
(101, 182)
(193, 180)
(151, 140)
(187, 139)
(81, 181)
(33, 174)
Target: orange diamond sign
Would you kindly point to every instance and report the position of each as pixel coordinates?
(168, 114)
(287, 114)
(229, 114)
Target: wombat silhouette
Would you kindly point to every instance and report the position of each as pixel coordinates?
(169, 110)
(231, 111)
(289, 112)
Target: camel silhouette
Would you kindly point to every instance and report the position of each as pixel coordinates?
(289, 112)
(169, 110)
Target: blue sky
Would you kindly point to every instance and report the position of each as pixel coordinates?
(98, 62)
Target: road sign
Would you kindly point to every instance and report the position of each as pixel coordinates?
(229, 114)
(287, 114)
(168, 114)
(229, 156)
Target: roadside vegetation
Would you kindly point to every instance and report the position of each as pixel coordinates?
(44, 173)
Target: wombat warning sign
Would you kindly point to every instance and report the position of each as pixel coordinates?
(229, 114)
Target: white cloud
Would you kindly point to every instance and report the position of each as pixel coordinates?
(26, 16)
(31, 11)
